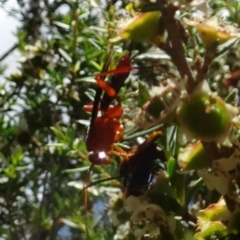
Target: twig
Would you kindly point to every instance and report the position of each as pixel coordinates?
(8, 52)
(204, 69)
(174, 47)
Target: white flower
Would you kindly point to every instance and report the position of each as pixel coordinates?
(147, 218)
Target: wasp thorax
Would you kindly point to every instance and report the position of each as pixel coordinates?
(205, 116)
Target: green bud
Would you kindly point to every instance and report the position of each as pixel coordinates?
(193, 157)
(143, 27)
(205, 116)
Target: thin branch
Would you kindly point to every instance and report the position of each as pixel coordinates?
(174, 46)
(204, 69)
(9, 51)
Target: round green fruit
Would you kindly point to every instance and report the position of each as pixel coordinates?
(206, 117)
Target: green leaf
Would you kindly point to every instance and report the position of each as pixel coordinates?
(231, 97)
(17, 157)
(65, 55)
(58, 132)
(81, 169)
(62, 25)
(172, 166)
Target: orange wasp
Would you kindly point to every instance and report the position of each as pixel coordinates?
(106, 129)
